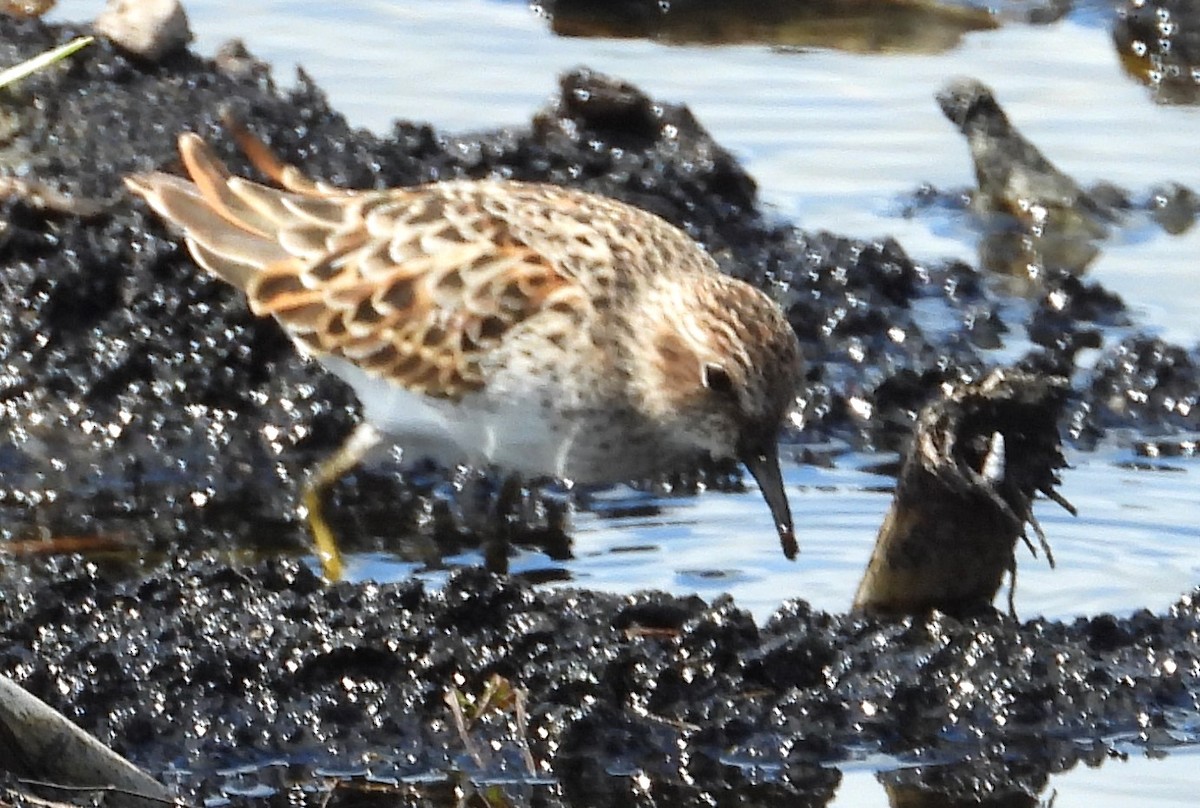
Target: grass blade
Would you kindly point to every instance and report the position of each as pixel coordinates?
(18, 72)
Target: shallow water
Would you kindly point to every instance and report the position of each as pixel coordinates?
(1132, 546)
(837, 141)
(1139, 779)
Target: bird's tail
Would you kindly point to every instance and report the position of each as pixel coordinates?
(236, 228)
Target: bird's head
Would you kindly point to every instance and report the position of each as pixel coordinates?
(725, 368)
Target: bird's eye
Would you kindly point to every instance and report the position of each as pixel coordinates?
(717, 380)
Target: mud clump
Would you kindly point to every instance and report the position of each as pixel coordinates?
(1146, 381)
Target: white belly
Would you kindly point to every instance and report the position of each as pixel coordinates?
(514, 431)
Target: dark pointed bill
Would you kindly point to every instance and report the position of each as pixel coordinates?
(762, 459)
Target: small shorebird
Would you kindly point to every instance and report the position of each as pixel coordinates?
(539, 329)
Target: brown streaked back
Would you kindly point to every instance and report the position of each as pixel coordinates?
(413, 285)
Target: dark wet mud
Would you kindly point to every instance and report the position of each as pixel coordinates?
(144, 411)
(206, 673)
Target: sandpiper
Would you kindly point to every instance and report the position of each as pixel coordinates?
(538, 329)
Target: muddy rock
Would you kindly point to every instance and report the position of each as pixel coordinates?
(145, 28)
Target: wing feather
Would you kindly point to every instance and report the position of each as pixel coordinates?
(414, 285)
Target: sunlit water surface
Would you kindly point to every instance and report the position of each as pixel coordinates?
(1132, 546)
(836, 141)
(1138, 780)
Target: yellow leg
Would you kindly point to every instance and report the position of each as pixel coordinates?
(345, 458)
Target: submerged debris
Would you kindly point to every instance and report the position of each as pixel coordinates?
(858, 26)
(39, 743)
(1036, 222)
(965, 495)
(1048, 222)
